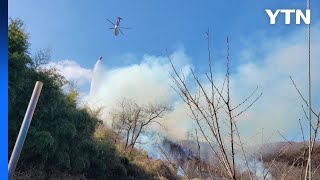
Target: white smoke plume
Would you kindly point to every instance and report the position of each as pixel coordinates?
(146, 82)
(149, 80)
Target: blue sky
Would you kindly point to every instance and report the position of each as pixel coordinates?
(78, 31)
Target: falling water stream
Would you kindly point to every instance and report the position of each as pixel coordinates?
(96, 79)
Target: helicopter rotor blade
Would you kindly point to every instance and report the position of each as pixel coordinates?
(110, 22)
(125, 28)
(121, 31)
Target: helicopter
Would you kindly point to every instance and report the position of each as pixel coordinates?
(116, 27)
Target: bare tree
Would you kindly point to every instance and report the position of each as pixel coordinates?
(211, 108)
(132, 120)
(301, 158)
(41, 57)
(313, 129)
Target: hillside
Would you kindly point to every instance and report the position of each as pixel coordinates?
(280, 160)
(64, 141)
(289, 159)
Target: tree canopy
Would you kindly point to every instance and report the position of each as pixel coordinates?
(61, 135)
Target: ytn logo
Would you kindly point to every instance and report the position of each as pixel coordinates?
(287, 13)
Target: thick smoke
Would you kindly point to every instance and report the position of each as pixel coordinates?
(149, 80)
